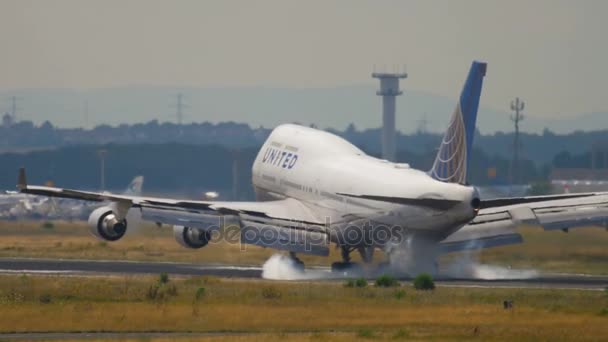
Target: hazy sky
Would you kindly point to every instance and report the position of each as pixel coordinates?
(552, 53)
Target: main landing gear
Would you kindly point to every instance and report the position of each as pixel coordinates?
(346, 265)
(298, 264)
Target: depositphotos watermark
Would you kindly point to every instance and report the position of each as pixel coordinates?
(299, 235)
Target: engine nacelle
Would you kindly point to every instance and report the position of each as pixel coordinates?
(191, 237)
(105, 225)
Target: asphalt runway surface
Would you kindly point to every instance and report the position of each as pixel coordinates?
(90, 267)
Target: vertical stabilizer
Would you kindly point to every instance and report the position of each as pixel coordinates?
(135, 187)
(452, 160)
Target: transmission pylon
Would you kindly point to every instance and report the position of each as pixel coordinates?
(517, 106)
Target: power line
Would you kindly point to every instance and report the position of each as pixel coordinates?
(517, 106)
(86, 113)
(179, 106)
(423, 125)
(13, 107)
(102, 153)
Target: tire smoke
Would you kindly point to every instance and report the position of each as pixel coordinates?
(466, 265)
(282, 267)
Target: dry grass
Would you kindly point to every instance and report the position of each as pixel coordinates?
(72, 241)
(262, 337)
(323, 311)
(582, 250)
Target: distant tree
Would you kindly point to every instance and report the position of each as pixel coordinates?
(424, 281)
(386, 280)
(359, 282)
(548, 133)
(47, 126)
(350, 129)
(163, 278)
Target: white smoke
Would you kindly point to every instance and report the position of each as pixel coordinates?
(411, 257)
(483, 271)
(282, 267)
(466, 265)
(402, 256)
(402, 263)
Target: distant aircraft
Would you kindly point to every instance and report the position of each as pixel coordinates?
(78, 209)
(315, 189)
(19, 205)
(10, 198)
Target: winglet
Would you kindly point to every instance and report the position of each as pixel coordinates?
(22, 180)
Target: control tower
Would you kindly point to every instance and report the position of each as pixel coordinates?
(389, 89)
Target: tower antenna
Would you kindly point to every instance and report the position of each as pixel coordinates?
(14, 107)
(179, 108)
(517, 106)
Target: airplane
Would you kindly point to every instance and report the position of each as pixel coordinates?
(315, 189)
(77, 209)
(19, 205)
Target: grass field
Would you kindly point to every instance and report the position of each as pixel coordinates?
(582, 250)
(312, 311)
(151, 243)
(294, 311)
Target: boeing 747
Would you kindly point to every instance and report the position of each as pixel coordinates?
(315, 189)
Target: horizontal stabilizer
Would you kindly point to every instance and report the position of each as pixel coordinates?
(502, 202)
(431, 203)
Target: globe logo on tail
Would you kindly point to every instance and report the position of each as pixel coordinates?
(451, 162)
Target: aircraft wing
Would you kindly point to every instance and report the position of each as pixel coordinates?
(496, 223)
(282, 224)
(178, 211)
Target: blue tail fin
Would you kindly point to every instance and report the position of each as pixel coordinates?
(452, 161)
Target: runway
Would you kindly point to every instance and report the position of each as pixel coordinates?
(90, 267)
(66, 266)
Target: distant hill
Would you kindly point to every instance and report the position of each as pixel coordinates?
(268, 107)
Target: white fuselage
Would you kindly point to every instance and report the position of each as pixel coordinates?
(327, 173)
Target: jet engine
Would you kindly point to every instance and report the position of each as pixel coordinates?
(191, 237)
(105, 225)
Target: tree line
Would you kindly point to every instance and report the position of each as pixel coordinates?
(190, 170)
